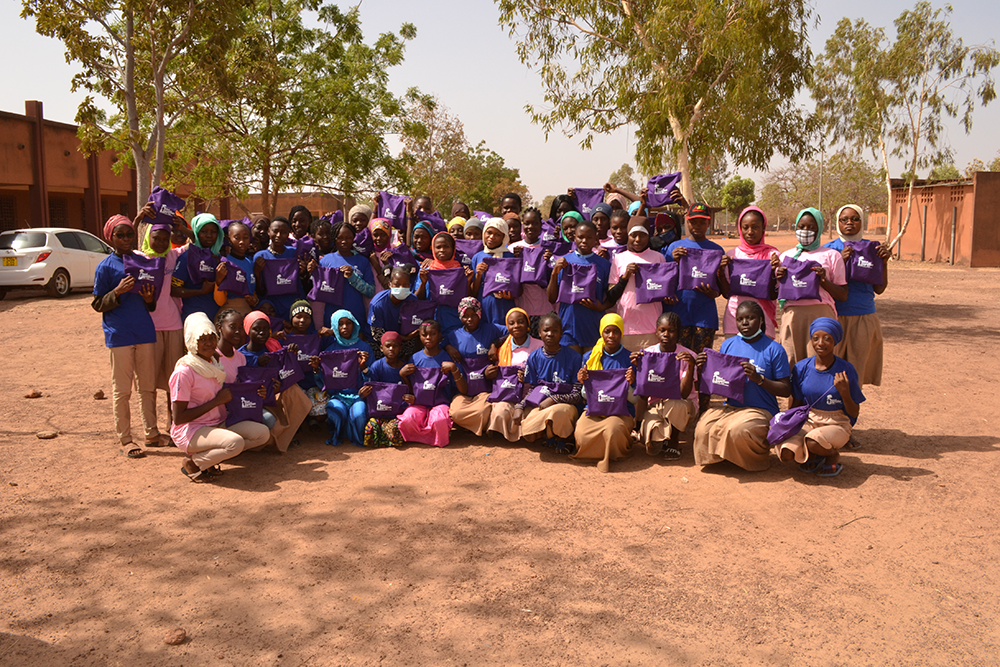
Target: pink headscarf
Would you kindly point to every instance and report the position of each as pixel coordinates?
(113, 222)
(271, 344)
(757, 251)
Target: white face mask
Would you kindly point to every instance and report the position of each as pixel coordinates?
(805, 237)
(400, 293)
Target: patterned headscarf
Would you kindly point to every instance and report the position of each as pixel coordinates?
(470, 302)
(114, 221)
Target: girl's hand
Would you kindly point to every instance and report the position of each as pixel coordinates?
(516, 251)
(263, 360)
(582, 375)
(385, 256)
(362, 358)
(630, 271)
(775, 261)
(609, 188)
(593, 305)
(701, 359)
(707, 291)
(207, 287)
(314, 362)
(258, 265)
(670, 300)
(546, 403)
(726, 261)
(679, 252)
(842, 384)
(847, 252)
(365, 390)
(820, 271)
(455, 355)
(635, 357)
(125, 285)
(262, 391)
(425, 271)
(686, 357)
(884, 251)
(491, 372)
(480, 268)
(469, 273)
(251, 300)
(571, 192)
(630, 375)
(294, 348)
(560, 264)
(278, 335)
(409, 398)
(751, 372)
(276, 383)
(348, 271)
(407, 370)
(780, 272)
(220, 272)
(678, 198)
(223, 397)
(547, 255)
(520, 374)
(311, 266)
(325, 331)
(601, 251)
(147, 211)
(449, 367)
(147, 292)
(503, 294)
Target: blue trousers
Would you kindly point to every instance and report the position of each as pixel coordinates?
(346, 420)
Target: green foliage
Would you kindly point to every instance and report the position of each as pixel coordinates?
(737, 194)
(979, 165)
(625, 178)
(707, 182)
(944, 172)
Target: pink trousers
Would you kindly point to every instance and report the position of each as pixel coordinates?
(429, 426)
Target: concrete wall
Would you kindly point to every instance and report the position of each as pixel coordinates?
(986, 220)
(932, 240)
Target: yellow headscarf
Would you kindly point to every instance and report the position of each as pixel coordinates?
(506, 351)
(595, 362)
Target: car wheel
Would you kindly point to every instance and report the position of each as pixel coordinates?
(58, 285)
(3, 293)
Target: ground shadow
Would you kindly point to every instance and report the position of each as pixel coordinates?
(893, 442)
(931, 322)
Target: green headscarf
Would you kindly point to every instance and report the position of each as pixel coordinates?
(146, 248)
(819, 230)
(569, 214)
(200, 221)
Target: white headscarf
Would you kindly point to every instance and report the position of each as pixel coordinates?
(195, 326)
(861, 214)
(500, 224)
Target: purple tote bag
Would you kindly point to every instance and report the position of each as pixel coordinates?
(468, 247)
(607, 393)
(655, 282)
(534, 269)
(549, 231)
(587, 199)
(386, 399)
(507, 388)
(327, 285)
(558, 247)
(281, 276)
(289, 370)
(483, 216)
(429, 385)
(474, 375)
(787, 423)
(392, 208)
(305, 247)
(341, 370)
(865, 266)
(259, 375)
(448, 286)
(700, 265)
(801, 282)
(658, 375)
(502, 274)
(201, 263)
(364, 244)
(166, 204)
(236, 280)
(246, 404)
(577, 282)
(435, 220)
(401, 256)
(751, 277)
(543, 390)
(146, 271)
(308, 348)
(413, 313)
(659, 188)
(723, 375)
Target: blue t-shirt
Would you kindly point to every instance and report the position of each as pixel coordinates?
(560, 367)
(383, 313)
(282, 303)
(860, 296)
(494, 309)
(201, 303)
(421, 360)
(581, 325)
(770, 360)
(354, 301)
(381, 371)
(694, 308)
(246, 264)
(252, 357)
(474, 343)
(129, 322)
(810, 385)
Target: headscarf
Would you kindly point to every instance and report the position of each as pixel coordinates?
(385, 226)
(147, 248)
(457, 220)
(448, 263)
(638, 222)
(758, 250)
(603, 208)
(470, 302)
(473, 222)
(335, 325)
(819, 230)
(634, 207)
(360, 208)
(195, 326)
(298, 307)
(499, 224)
(829, 325)
(614, 196)
(595, 362)
(861, 214)
(427, 228)
(200, 221)
(506, 352)
(271, 345)
(574, 215)
(114, 221)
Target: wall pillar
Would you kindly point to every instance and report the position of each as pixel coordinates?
(38, 192)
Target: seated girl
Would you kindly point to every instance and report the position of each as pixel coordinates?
(300, 323)
(830, 386)
(346, 413)
(514, 351)
(380, 431)
(423, 424)
(476, 340)
(737, 432)
(229, 325)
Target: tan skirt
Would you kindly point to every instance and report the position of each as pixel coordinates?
(830, 429)
(636, 342)
(662, 418)
(471, 412)
(600, 436)
(862, 346)
(737, 435)
(296, 405)
(502, 421)
(793, 334)
(168, 348)
(561, 416)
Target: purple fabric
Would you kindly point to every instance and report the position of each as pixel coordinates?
(865, 266)
(543, 390)
(448, 286)
(305, 247)
(246, 405)
(658, 375)
(327, 285)
(392, 208)
(483, 216)
(364, 244)
(723, 375)
(277, 324)
(287, 364)
(800, 282)
(549, 230)
(341, 370)
(336, 216)
(786, 424)
(751, 277)
(401, 256)
(577, 282)
(236, 279)
(587, 199)
(201, 264)
(146, 271)
(559, 248)
(166, 204)
(429, 385)
(474, 367)
(659, 188)
(700, 265)
(468, 247)
(386, 400)
(607, 393)
(259, 375)
(507, 388)
(534, 269)
(655, 282)
(413, 313)
(502, 274)
(281, 276)
(308, 347)
(433, 219)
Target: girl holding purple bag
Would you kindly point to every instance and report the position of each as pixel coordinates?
(346, 412)
(443, 246)
(476, 341)
(279, 249)
(384, 431)
(229, 325)
(197, 291)
(420, 423)
(495, 238)
(358, 272)
(798, 315)
(534, 298)
(862, 343)
(581, 321)
(752, 226)
(238, 257)
(384, 312)
(513, 353)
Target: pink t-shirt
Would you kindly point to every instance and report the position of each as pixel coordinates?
(694, 385)
(534, 298)
(836, 273)
(519, 355)
(195, 390)
(640, 318)
(729, 317)
(232, 364)
(167, 316)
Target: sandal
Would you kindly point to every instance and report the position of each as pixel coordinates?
(829, 469)
(133, 451)
(812, 464)
(852, 445)
(671, 453)
(197, 477)
(155, 443)
(214, 471)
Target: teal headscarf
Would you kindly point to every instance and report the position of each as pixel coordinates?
(819, 230)
(335, 325)
(200, 221)
(569, 214)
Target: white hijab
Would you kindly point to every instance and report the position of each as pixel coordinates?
(861, 214)
(500, 224)
(195, 326)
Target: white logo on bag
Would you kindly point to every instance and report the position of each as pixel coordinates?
(428, 385)
(247, 403)
(698, 273)
(416, 320)
(830, 400)
(650, 285)
(576, 289)
(864, 263)
(240, 277)
(549, 236)
(799, 283)
(144, 275)
(604, 398)
(303, 356)
(285, 374)
(389, 214)
(281, 280)
(528, 267)
(587, 209)
(480, 350)
(653, 377)
(476, 375)
(337, 373)
(166, 210)
(501, 278)
(556, 378)
(719, 380)
(660, 190)
(747, 281)
(202, 266)
(326, 287)
(444, 291)
(382, 407)
(508, 384)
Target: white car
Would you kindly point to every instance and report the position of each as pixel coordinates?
(55, 258)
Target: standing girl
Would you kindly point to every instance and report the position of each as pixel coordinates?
(278, 248)
(358, 272)
(640, 328)
(444, 258)
(198, 296)
(752, 225)
(240, 256)
(534, 299)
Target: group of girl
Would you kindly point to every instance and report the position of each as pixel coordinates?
(592, 330)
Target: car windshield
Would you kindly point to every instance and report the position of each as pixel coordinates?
(22, 240)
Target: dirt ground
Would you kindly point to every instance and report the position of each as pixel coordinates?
(342, 556)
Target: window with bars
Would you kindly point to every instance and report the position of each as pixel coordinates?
(8, 212)
(58, 212)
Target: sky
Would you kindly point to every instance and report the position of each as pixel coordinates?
(463, 57)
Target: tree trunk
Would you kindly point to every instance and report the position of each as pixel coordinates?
(888, 187)
(265, 188)
(138, 153)
(684, 166)
(161, 139)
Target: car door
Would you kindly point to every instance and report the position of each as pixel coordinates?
(73, 258)
(96, 252)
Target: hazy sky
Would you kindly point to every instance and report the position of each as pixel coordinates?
(462, 56)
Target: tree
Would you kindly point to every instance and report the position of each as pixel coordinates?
(944, 172)
(134, 55)
(979, 165)
(737, 194)
(707, 182)
(625, 178)
(690, 77)
(875, 94)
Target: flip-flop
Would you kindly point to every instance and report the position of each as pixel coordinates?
(197, 477)
(671, 453)
(852, 445)
(812, 464)
(133, 451)
(830, 470)
(155, 443)
(214, 471)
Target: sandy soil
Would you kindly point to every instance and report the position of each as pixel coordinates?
(486, 553)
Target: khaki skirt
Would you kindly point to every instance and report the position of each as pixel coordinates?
(737, 435)
(168, 348)
(562, 417)
(502, 421)
(862, 346)
(831, 429)
(597, 436)
(471, 412)
(793, 333)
